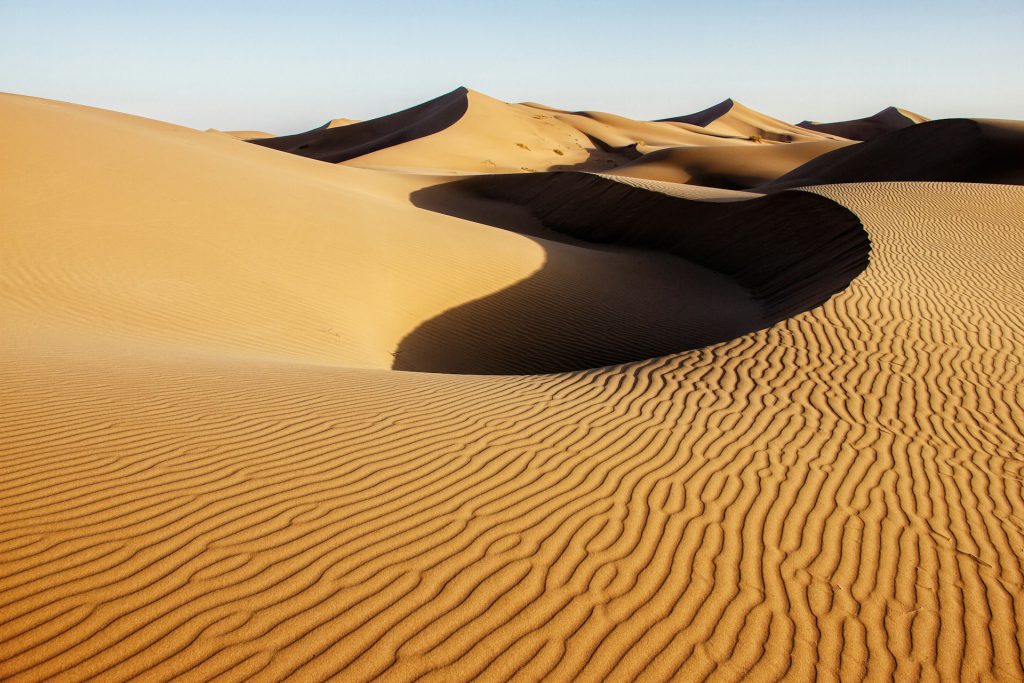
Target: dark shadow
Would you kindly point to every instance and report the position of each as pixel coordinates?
(946, 150)
(867, 128)
(631, 274)
(703, 117)
(357, 139)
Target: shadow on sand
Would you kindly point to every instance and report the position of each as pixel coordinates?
(631, 274)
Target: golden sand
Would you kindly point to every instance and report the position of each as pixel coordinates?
(214, 464)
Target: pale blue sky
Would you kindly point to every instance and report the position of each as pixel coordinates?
(288, 66)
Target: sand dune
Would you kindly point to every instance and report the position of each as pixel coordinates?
(738, 167)
(213, 467)
(494, 136)
(467, 131)
(732, 118)
(339, 143)
(966, 150)
(868, 128)
(246, 134)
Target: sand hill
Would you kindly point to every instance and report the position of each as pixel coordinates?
(981, 151)
(735, 167)
(375, 409)
(732, 118)
(468, 132)
(868, 128)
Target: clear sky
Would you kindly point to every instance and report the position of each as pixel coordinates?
(288, 66)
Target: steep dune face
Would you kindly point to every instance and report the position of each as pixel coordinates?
(732, 118)
(967, 150)
(792, 251)
(733, 167)
(741, 265)
(335, 143)
(868, 128)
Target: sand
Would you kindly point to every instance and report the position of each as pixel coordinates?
(239, 440)
(870, 127)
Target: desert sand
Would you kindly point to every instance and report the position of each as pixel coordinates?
(501, 391)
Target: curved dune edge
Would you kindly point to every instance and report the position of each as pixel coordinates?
(792, 251)
(739, 265)
(335, 143)
(837, 495)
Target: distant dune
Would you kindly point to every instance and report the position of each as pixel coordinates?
(248, 134)
(339, 143)
(491, 391)
(869, 128)
(731, 117)
(964, 150)
(736, 167)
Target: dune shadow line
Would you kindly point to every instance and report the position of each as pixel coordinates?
(637, 274)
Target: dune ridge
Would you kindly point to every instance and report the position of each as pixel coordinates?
(791, 251)
(961, 150)
(757, 259)
(732, 118)
(867, 128)
(468, 132)
(335, 143)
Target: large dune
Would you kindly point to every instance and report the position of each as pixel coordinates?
(734, 167)
(965, 150)
(252, 430)
(467, 131)
(730, 117)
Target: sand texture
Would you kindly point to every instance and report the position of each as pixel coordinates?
(380, 409)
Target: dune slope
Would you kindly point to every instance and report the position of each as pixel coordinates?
(733, 118)
(965, 150)
(340, 140)
(786, 252)
(867, 128)
(733, 167)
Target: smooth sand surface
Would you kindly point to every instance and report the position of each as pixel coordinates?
(214, 464)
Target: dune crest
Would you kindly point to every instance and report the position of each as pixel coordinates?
(340, 143)
(732, 118)
(962, 150)
(870, 127)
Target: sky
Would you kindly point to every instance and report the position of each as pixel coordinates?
(289, 66)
